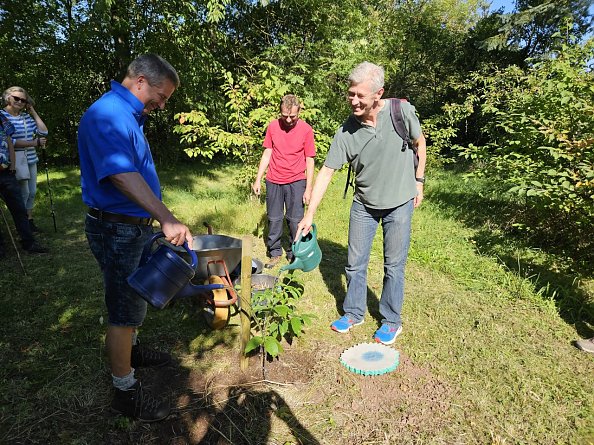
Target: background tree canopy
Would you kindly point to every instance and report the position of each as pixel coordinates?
(500, 90)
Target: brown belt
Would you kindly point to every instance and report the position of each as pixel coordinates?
(117, 218)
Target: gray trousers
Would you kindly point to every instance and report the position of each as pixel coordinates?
(283, 200)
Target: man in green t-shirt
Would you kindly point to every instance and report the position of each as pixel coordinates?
(386, 190)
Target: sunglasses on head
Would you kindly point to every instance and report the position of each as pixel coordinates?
(19, 99)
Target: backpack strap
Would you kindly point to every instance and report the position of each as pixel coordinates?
(348, 181)
(398, 122)
(400, 127)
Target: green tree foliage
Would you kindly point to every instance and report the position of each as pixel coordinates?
(540, 126)
(531, 29)
(236, 58)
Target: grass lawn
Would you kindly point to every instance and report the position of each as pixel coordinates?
(486, 352)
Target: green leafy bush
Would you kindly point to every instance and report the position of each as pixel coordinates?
(252, 101)
(540, 127)
(274, 316)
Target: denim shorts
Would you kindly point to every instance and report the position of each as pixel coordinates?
(117, 247)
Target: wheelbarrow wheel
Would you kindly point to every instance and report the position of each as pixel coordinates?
(216, 317)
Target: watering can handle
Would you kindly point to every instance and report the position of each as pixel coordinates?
(312, 231)
(147, 250)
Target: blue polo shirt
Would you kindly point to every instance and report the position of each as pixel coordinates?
(111, 140)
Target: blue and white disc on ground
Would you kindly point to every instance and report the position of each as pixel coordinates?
(370, 359)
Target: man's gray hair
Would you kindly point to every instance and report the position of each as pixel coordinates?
(155, 68)
(368, 71)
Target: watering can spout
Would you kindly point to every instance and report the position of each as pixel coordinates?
(295, 264)
(306, 252)
(186, 292)
(193, 290)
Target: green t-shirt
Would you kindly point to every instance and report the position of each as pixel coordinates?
(384, 174)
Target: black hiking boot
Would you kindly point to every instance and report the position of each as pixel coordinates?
(34, 228)
(143, 357)
(140, 404)
(36, 248)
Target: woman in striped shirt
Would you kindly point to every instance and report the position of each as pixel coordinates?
(30, 133)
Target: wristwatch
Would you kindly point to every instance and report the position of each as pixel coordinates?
(421, 180)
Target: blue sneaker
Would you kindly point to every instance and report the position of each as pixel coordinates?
(387, 334)
(344, 324)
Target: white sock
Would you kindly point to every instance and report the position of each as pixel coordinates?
(124, 383)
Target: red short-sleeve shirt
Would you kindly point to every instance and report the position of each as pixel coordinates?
(289, 150)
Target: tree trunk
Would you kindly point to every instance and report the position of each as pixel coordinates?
(120, 32)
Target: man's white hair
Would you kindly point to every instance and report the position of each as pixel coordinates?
(367, 71)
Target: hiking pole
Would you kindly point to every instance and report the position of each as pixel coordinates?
(13, 243)
(49, 188)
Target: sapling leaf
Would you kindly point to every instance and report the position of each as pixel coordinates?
(296, 325)
(272, 346)
(281, 310)
(254, 343)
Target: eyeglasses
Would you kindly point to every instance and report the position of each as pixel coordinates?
(350, 96)
(19, 99)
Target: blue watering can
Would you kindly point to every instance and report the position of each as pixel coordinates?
(306, 252)
(163, 275)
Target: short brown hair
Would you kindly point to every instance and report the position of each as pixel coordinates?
(289, 101)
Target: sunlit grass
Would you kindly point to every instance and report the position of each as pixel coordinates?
(490, 317)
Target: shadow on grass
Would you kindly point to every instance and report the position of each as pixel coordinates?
(334, 258)
(245, 417)
(556, 275)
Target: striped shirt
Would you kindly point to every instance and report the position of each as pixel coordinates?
(25, 128)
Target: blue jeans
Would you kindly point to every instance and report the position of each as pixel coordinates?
(117, 247)
(396, 225)
(29, 187)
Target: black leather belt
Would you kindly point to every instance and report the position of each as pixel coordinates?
(117, 218)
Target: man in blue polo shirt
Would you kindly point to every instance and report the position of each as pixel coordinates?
(121, 188)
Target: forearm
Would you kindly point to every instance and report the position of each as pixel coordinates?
(421, 145)
(263, 164)
(134, 187)
(309, 172)
(41, 127)
(23, 143)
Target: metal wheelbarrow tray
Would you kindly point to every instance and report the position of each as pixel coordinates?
(210, 250)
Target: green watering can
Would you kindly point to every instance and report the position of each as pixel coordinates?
(306, 252)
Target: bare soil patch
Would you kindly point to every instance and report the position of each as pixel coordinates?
(300, 389)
